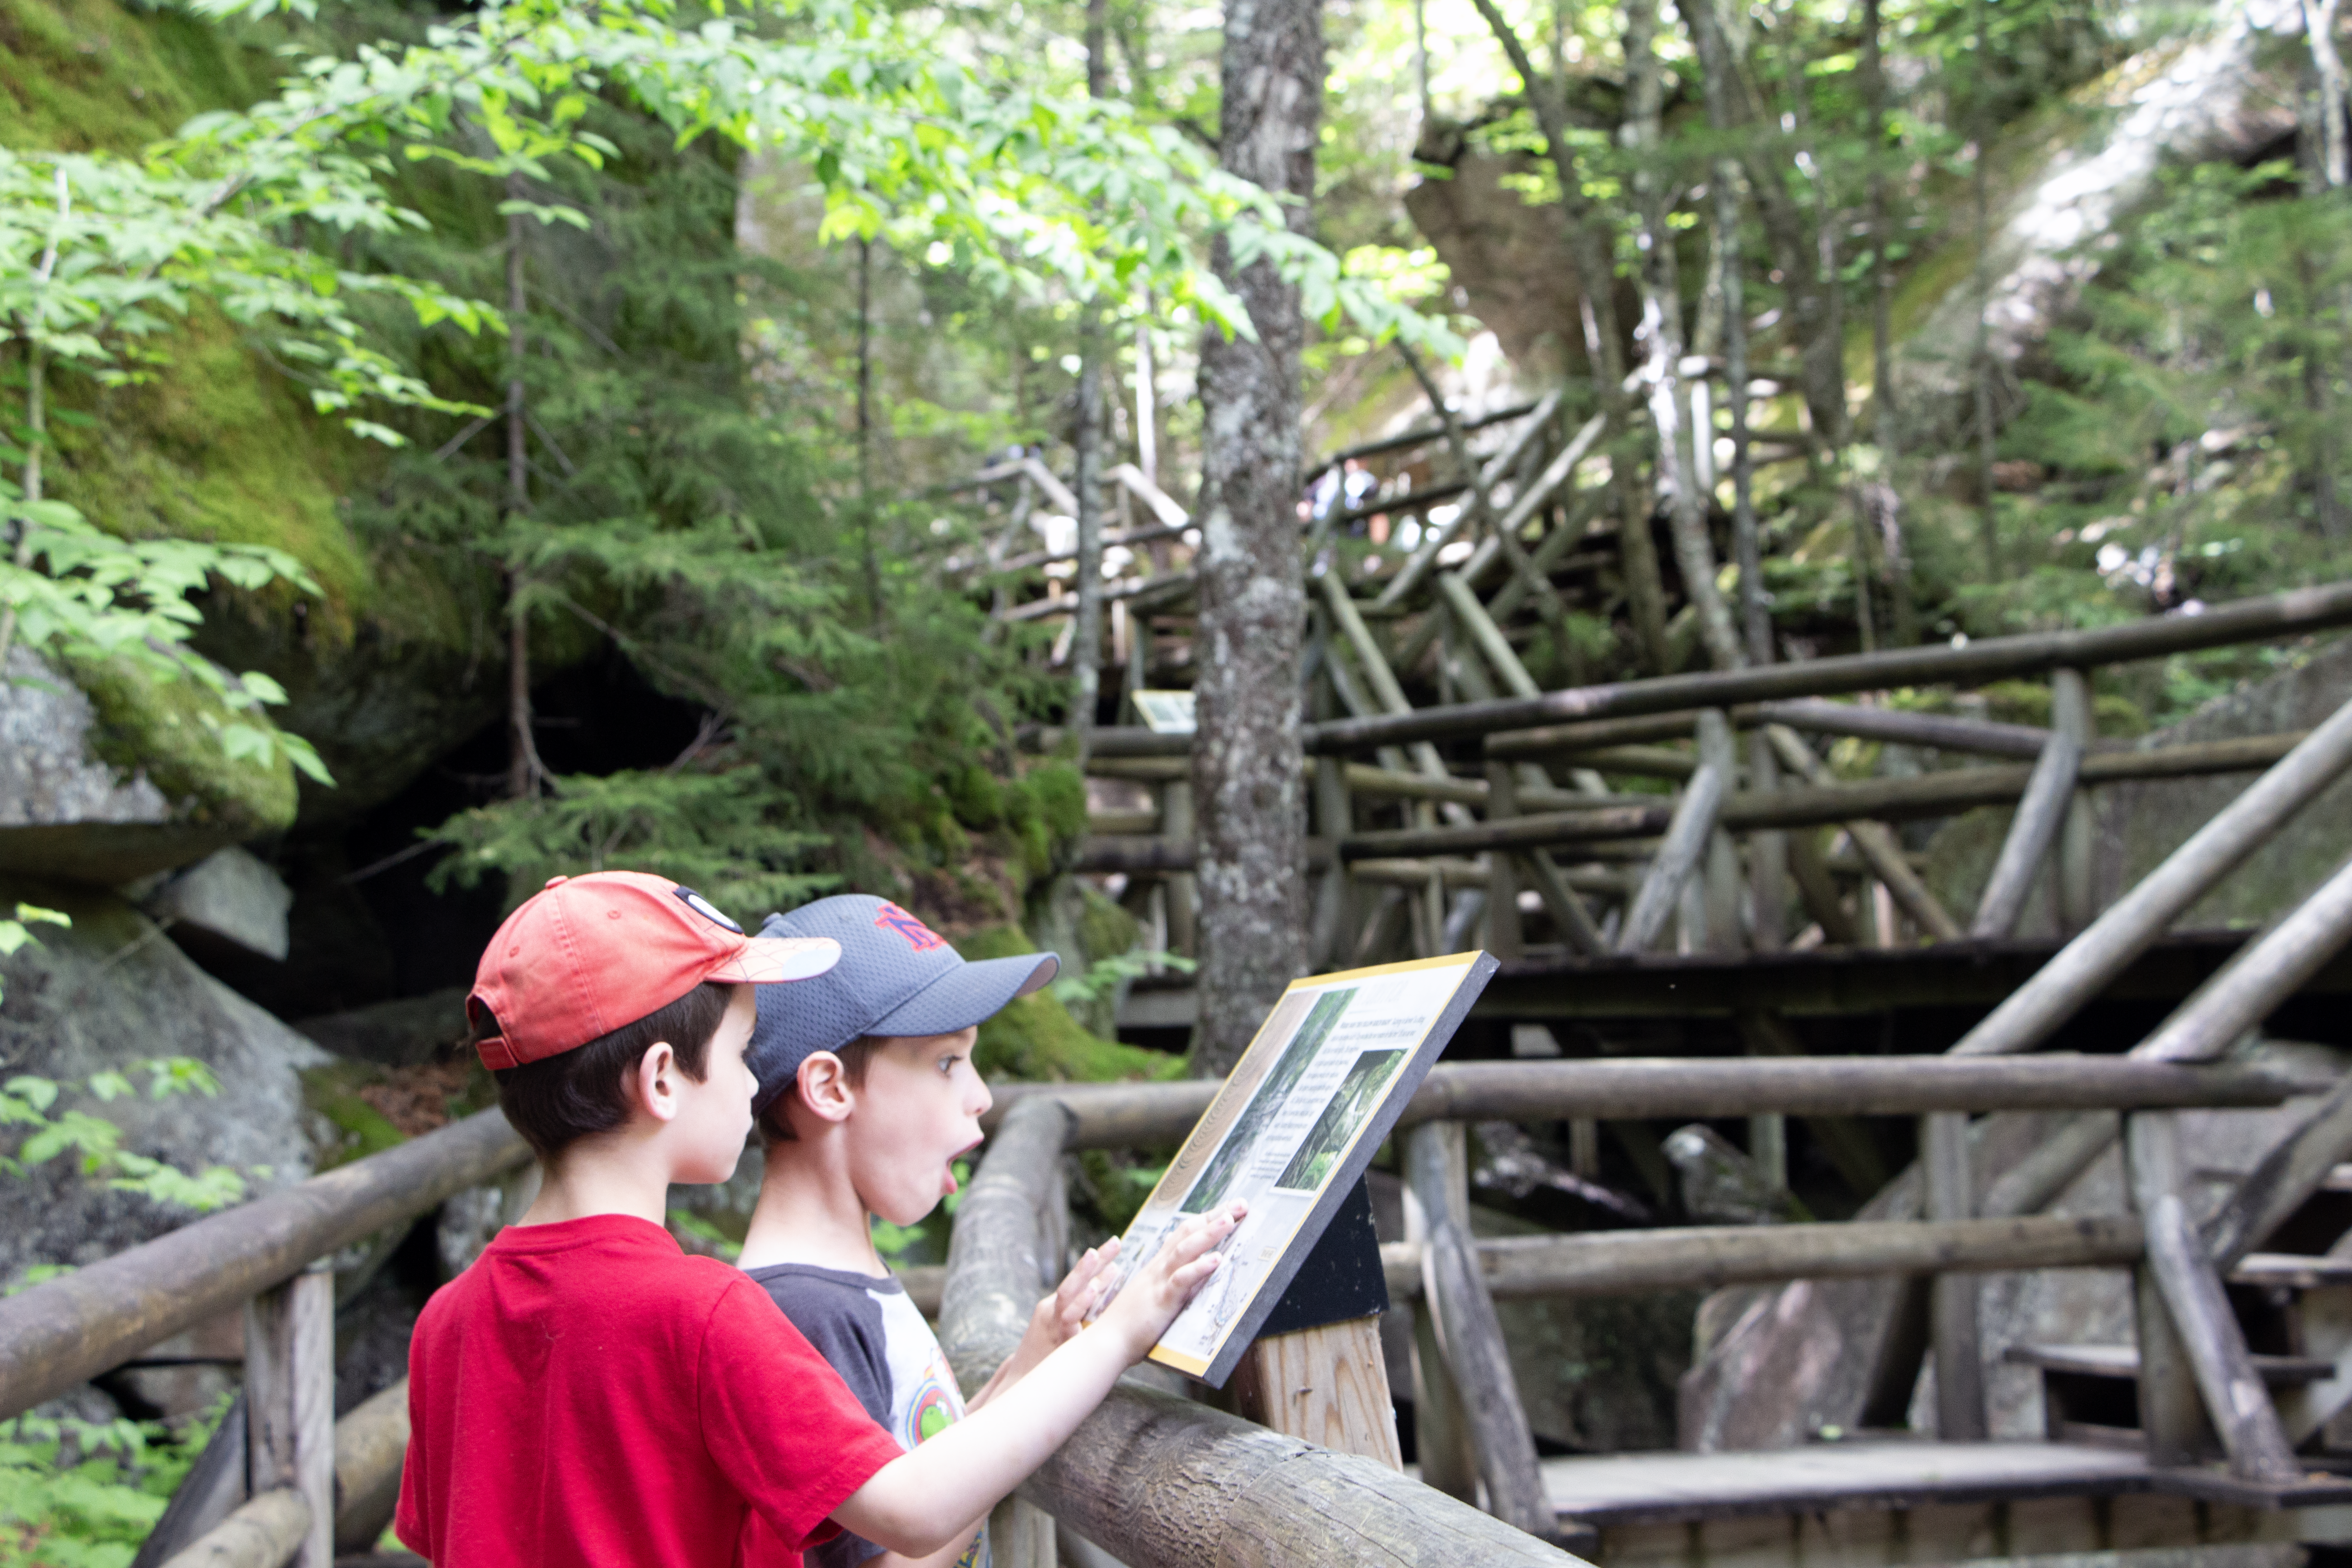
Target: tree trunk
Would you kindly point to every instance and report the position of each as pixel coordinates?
(1589, 252)
(1884, 510)
(1247, 766)
(1086, 641)
(523, 769)
(1662, 336)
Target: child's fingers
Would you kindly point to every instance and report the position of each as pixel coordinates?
(1197, 1236)
(1185, 1280)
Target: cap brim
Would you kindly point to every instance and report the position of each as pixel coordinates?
(969, 995)
(767, 959)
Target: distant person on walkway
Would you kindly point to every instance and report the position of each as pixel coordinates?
(587, 1394)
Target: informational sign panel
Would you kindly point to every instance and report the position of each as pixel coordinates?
(1291, 1132)
(1166, 713)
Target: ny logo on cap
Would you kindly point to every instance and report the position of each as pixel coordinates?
(919, 937)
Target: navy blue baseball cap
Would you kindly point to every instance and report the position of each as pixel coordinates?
(897, 977)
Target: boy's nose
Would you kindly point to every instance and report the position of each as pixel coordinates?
(985, 1098)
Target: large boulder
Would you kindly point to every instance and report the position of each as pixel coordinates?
(106, 994)
(108, 774)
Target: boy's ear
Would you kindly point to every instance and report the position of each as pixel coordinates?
(824, 1087)
(655, 1083)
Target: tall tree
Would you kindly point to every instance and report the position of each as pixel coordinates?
(1589, 250)
(1086, 642)
(1247, 764)
(1662, 340)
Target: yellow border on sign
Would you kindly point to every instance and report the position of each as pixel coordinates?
(1196, 1366)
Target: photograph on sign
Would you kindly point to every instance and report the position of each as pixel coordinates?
(1290, 1132)
(1165, 712)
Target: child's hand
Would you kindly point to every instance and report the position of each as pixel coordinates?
(1065, 1312)
(1149, 1301)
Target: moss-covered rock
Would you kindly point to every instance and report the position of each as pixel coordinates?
(1035, 1040)
(171, 728)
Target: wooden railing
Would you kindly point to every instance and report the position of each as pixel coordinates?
(312, 1480)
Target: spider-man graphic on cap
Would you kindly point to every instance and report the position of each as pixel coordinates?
(919, 937)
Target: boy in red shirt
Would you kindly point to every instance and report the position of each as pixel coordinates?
(586, 1392)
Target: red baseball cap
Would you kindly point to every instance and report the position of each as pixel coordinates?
(585, 955)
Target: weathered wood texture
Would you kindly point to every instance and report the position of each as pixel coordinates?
(264, 1533)
(2170, 1412)
(1470, 1338)
(1952, 1307)
(2235, 1400)
(1147, 1115)
(2032, 832)
(1328, 1384)
(2086, 964)
(370, 1445)
(1162, 1482)
(1707, 1257)
(1992, 659)
(2258, 977)
(1247, 768)
(289, 1403)
(2285, 1178)
(1693, 820)
(69, 1328)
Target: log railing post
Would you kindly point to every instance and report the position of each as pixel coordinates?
(1177, 826)
(1716, 751)
(1335, 903)
(1503, 938)
(1470, 1337)
(1959, 1364)
(289, 1403)
(1678, 855)
(2235, 1400)
(2071, 715)
(1768, 855)
(2042, 813)
(2169, 1410)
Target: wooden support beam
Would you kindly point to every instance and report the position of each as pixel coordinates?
(266, 1533)
(1423, 436)
(1709, 1257)
(2283, 1180)
(2276, 615)
(1768, 856)
(1156, 1479)
(1876, 845)
(1636, 1088)
(1568, 915)
(2258, 977)
(1721, 867)
(1391, 784)
(1813, 716)
(1810, 867)
(2070, 716)
(2024, 854)
(1503, 938)
(1481, 479)
(1470, 1339)
(2235, 1400)
(1693, 821)
(1326, 1385)
(1959, 1352)
(2169, 1410)
(289, 1403)
(2085, 967)
(67, 1330)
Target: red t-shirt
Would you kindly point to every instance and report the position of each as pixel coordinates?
(587, 1394)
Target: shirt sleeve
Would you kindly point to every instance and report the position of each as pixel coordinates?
(778, 1421)
(411, 1516)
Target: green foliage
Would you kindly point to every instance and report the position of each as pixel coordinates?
(34, 1104)
(715, 832)
(1034, 1038)
(1104, 975)
(15, 931)
(84, 1494)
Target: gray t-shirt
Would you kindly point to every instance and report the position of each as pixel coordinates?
(877, 1339)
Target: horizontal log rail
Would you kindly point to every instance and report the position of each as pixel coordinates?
(2290, 614)
(1707, 1257)
(1159, 1481)
(66, 1330)
(1148, 1115)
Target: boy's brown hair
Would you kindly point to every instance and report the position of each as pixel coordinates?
(557, 1100)
(776, 1126)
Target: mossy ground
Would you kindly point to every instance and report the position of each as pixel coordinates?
(1035, 1037)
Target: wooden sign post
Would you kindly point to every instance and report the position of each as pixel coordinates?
(1316, 1370)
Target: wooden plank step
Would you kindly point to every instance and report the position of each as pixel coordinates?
(2123, 1361)
(2289, 1271)
(1677, 1488)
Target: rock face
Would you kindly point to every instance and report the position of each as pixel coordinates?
(228, 897)
(66, 810)
(108, 994)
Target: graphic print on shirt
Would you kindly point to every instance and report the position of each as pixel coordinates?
(877, 1339)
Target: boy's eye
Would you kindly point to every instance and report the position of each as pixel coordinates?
(947, 1064)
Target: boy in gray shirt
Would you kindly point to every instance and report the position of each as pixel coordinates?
(866, 1098)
